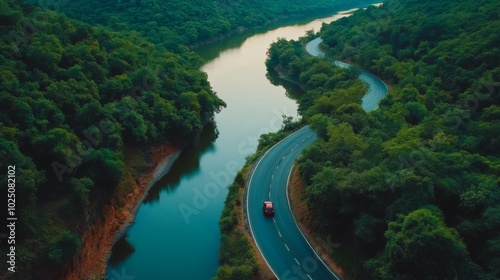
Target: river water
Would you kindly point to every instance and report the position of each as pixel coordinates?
(175, 234)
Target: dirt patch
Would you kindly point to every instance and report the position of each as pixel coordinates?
(305, 219)
(100, 237)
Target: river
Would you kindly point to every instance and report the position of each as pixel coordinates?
(175, 234)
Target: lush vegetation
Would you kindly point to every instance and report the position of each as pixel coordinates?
(323, 84)
(72, 98)
(172, 23)
(236, 256)
(410, 190)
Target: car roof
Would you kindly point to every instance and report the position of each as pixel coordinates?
(268, 202)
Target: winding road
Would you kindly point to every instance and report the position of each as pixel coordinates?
(279, 239)
(377, 90)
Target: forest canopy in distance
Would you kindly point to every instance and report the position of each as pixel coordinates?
(188, 22)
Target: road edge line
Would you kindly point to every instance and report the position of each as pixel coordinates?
(297, 225)
(249, 184)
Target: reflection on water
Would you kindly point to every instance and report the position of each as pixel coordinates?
(293, 90)
(121, 251)
(236, 40)
(187, 164)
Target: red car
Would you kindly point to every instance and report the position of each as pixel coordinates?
(268, 208)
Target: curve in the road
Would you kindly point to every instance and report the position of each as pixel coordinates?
(377, 90)
(279, 239)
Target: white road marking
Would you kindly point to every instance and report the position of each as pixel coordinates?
(276, 225)
(297, 261)
(250, 184)
(287, 248)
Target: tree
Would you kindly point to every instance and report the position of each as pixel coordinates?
(45, 50)
(319, 124)
(342, 143)
(58, 145)
(65, 247)
(352, 114)
(415, 112)
(323, 195)
(367, 228)
(81, 190)
(103, 166)
(421, 246)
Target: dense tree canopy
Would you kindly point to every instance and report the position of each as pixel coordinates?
(72, 97)
(172, 22)
(413, 186)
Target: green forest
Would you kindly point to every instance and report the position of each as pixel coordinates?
(86, 85)
(73, 98)
(412, 189)
(171, 23)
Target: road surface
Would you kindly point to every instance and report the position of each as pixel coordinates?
(279, 239)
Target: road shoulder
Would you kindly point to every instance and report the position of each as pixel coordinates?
(305, 220)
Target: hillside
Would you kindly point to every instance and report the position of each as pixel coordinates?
(172, 23)
(410, 190)
(74, 100)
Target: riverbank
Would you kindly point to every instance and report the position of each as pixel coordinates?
(238, 253)
(116, 216)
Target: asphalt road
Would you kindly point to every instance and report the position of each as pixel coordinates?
(280, 241)
(377, 90)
